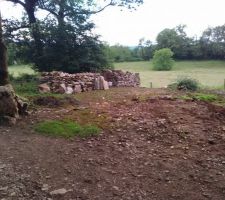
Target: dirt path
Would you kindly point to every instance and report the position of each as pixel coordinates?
(152, 148)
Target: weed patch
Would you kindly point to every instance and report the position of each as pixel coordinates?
(25, 89)
(202, 97)
(25, 84)
(206, 97)
(66, 129)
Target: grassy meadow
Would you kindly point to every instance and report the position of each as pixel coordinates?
(209, 73)
(16, 70)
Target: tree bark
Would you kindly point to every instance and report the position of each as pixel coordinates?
(30, 6)
(3, 59)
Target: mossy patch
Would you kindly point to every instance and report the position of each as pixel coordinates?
(66, 129)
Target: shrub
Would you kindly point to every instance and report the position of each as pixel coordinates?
(66, 128)
(187, 83)
(162, 60)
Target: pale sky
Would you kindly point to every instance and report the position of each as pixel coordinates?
(148, 20)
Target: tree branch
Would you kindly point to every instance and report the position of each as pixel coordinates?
(18, 1)
(88, 12)
(111, 3)
(49, 10)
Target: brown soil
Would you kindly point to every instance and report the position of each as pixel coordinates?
(153, 147)
(52, 101)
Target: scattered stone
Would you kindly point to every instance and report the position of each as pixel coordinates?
(62, 88)
(69, 90)
(116, 188)
(45, 187)
(44, 88)
(61, 191)
(2, 166)
(4, 189)
(77, 89)
(101, 84)
(211, 141)
(13, 194)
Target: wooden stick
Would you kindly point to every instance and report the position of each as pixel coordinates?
(150, 84)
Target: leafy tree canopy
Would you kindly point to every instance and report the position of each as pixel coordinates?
(64, 39)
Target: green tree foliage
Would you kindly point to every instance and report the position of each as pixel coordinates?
(212, 42)
(145, 49)
(69, 49)
(119, 53)
(175, 39)
(162, 60)
(64, 39)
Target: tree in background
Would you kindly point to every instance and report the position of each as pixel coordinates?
(211, 45)
(162, 60)
(119, 53)
(145, 49)
(64, 39)
(212, 42)
(176, 39)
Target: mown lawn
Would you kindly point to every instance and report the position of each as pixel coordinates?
(208, 73)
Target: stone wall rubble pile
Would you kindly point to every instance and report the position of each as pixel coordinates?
(60, 82)
(11, 106)
(118, 78)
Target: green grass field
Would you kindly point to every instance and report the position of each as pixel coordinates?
(208, 73)
(16, 70)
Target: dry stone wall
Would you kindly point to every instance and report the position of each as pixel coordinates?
(60, 82)
(118, 78)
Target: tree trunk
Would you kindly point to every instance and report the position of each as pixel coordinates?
(3, 59)
(29, 6)
(10, 104)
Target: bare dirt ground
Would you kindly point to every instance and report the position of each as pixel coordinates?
(152, 147)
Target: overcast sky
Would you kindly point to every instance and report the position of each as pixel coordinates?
(148, 20)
